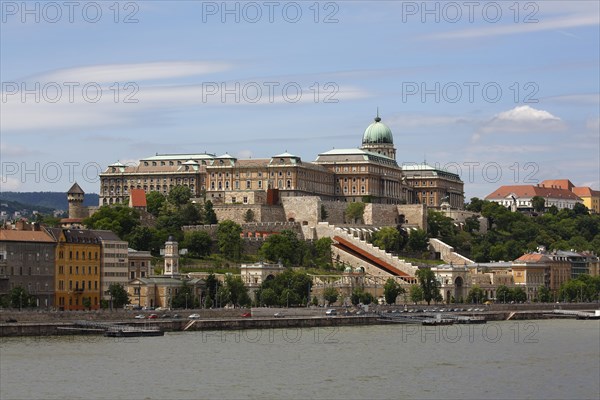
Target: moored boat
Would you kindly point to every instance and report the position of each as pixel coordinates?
(129, 331)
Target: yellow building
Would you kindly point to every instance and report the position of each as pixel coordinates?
(77, 269)
(159, 291)
(591, 198)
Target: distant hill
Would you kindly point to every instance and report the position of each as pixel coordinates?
(26, 209)
(48, 200)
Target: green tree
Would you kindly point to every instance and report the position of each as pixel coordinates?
(416, 293)
(210, 217)
(86, 302)
(190, 214)
(387, 238)
(330, 294)
(118, 294)
(249, 216)
(429, 284)
(544, 294)
(19, 298)
(472, 224)
(119, 219)
(538, 203)
(504, 294)
(439, 226)
(519, 295)
(290, 287)
(391, 290)
(229, 240)
(284, 246)
(268, 297)
(212, 285)
(48, 220)
(476, 295)
(198, 243)
(141, 238)
(179, 195)
(237, 291)
(323, 254)
(418, 240)
(475, 204)
(155, 202)
(354, 212)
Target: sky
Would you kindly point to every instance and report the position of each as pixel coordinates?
(504, 92)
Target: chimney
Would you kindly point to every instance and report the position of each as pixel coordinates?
(20, 225)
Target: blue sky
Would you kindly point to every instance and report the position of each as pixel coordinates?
(502, 92)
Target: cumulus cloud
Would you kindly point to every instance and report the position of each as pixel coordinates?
(8, 183)
(521, 119)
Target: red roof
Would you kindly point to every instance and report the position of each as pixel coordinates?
(585, 191)
(137, 198)
(24, 236)
(532, 258)
(558, 183)
(528, 191)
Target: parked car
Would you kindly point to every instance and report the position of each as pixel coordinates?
(152, 316)
(331, 312)
(279, 315)
(165, 316)
(140, 316)
(194, 316)
(246, 315)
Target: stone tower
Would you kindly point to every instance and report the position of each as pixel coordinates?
(75, 198)
(171, 257)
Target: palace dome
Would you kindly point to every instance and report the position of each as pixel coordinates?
(378, 132)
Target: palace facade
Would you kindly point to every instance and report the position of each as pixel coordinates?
(368, 173)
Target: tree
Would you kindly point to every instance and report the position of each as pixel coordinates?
(323, 255)
(198, 243)
(141, 238)
(237, 291)
(504, 294)
(212, 285)
(268, 297)
(284, 247)
(154, 202)
(418, 240)
(476, 295)
(544, 294)
(118, 294)
(119, 219)
(190, 214)
(249, 216)
(416, 293)
(210, 217)
(475, 205)
(519, 295)
(289, 288)
(184, 297)
(179, 195)
(86, 302)
(229, 240)
(438, 225)
(538, 203)
(387, 238)
(472, 224)
(354, 212)
(19, 298)
(429, 284)
(391, 290)
(330, 294)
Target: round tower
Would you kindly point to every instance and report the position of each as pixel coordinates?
(75, 197)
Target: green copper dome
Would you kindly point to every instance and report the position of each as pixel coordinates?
(377, 132)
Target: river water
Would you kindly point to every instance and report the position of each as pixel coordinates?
(549, 359)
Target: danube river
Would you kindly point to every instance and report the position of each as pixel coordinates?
(549, 359)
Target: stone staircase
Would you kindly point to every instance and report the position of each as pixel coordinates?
(351, 235)
(448, 254)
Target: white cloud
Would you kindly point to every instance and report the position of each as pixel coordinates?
(588, 98)
(543, 24)
(135, 72)
(522, 120)
(8, 183)
(245, 154)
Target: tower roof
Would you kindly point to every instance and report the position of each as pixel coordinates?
(378, 132)
(76, 189)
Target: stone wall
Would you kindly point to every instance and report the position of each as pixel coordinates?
(305, 210)
(237, 212)
(335, 211)
(414, 214)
